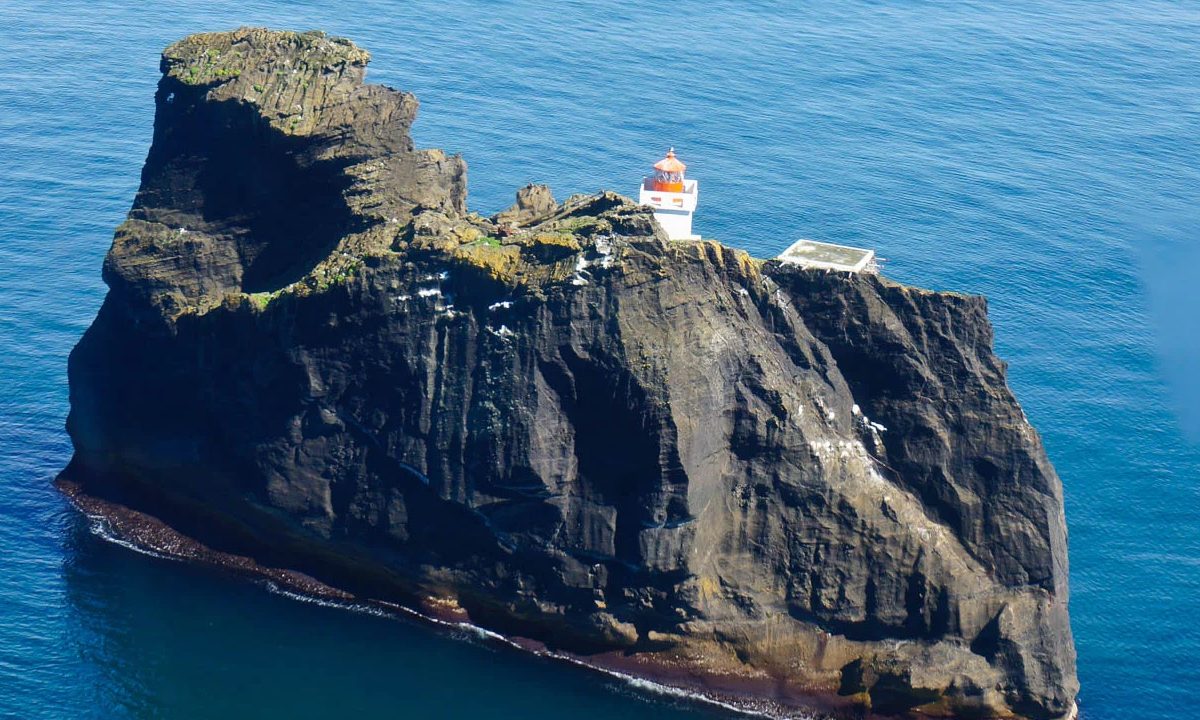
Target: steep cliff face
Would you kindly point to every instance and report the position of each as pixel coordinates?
(572, 429)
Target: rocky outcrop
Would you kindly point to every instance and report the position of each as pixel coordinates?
(533, 202)
(756, 478)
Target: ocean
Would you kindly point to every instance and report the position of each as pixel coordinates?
(1045, 153)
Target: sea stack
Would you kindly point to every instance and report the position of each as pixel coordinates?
(807, 487)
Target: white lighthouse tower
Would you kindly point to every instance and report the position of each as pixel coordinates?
(672, 196)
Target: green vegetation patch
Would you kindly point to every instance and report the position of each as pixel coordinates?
(585, 225)
(500, 262)
(208, 58)
(210, 66)
(260, 300)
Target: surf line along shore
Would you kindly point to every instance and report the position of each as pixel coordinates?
(142, 533)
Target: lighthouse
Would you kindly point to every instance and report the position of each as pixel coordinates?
(672, 196)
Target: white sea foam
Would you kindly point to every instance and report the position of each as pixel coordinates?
(277, 589)
(484, 634)
(656, 688)
(101, 528)
(464, 630)
(475, 633)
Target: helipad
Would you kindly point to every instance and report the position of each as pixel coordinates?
(819, 255)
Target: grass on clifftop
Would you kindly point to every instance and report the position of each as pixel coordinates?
(206, 58)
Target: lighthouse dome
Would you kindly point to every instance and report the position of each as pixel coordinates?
(670, 164)
(668, 173)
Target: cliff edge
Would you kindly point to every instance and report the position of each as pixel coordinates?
(664, 456)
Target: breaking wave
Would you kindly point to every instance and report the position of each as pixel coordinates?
(100, 527)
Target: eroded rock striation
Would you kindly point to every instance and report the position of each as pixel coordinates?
(670, 456)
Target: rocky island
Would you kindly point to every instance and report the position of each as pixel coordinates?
(315, 364)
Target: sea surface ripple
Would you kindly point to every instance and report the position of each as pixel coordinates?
(1043, 153)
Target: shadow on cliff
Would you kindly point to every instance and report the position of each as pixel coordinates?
(222, 169)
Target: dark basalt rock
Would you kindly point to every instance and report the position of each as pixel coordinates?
(572, 429)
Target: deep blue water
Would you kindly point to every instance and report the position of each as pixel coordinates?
(1044, 153)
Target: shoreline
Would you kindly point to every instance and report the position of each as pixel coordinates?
(148, 535)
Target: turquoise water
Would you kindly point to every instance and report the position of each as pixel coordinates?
(1042, 153)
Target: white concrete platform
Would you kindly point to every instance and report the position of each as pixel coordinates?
(827, 256)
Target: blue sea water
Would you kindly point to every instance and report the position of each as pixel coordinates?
(1042, 152)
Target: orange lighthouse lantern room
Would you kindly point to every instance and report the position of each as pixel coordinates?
(668, 174)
